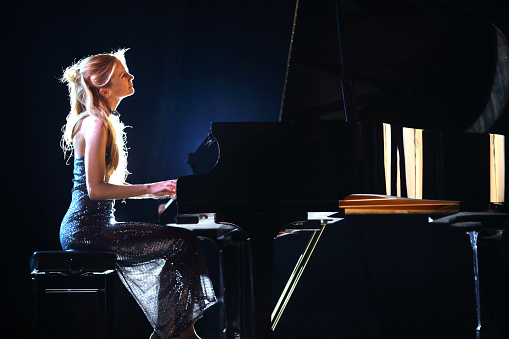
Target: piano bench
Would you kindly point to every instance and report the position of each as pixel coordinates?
(65, 272)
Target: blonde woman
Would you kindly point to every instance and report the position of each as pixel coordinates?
(161, 266)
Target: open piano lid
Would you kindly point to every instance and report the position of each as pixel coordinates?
(407, 70)
(418, 64)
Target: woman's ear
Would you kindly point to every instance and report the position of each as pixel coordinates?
(104, 92)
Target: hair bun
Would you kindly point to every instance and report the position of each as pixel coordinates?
(72, 74)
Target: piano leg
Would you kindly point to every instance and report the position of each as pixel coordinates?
(473, 235)
(472, 223)
(261, 247)
(262, 250)
(234, 260)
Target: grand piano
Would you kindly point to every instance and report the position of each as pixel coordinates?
(387, 107)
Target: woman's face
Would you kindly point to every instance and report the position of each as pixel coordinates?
(121, 84)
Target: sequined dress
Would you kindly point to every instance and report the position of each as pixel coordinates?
(161, 266)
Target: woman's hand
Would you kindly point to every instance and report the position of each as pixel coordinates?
(163, 189)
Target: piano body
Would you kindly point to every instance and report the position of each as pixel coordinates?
(388, 107)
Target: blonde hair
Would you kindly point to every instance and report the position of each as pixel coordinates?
(84, 79)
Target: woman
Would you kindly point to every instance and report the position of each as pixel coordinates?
(161, 266)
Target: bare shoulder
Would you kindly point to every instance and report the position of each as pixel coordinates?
(90, 131)
(93, 125)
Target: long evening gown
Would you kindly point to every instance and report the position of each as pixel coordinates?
(161, 266)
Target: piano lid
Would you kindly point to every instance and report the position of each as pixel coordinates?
(419, 64)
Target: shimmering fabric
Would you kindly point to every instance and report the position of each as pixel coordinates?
(161, 266)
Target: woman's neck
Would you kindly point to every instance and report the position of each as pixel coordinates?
(112, 104)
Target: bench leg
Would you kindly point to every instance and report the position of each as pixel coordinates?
(109, 304)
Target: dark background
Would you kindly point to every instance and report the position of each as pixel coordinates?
(196, 62)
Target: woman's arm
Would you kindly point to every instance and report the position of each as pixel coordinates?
(95, 134)
(172, 184)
